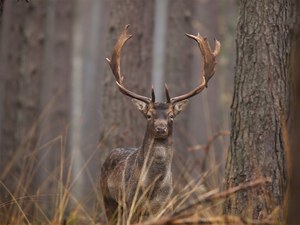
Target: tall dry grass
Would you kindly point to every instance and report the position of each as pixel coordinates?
(197, 198)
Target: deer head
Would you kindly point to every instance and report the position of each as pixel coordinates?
(160, 115)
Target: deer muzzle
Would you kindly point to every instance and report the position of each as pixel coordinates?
(161, 129)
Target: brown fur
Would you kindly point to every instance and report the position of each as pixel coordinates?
(143, 175)
(122, 179)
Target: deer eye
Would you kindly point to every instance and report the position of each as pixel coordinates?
(149, 116)
(171, 116)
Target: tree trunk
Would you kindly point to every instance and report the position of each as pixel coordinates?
(178, 76)
(206, 113)
(55, 101)
(88, 64)
(121, 124)
(35, 73)
(22, 45)
(1, 12)
(261, 104)
(293, 159)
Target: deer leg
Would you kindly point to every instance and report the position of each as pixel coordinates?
(111, 210)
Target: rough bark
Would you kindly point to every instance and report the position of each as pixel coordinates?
(121, 124)
(261, 104)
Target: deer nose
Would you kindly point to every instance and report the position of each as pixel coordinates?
(161, 130)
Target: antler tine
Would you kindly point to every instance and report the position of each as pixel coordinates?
(115, 63)
(208, 65)
(167, 94)
(152, 95)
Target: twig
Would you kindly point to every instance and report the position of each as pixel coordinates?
(206, 147)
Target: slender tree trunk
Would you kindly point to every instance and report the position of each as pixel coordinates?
(55, 101)
(261, 104)
(89, 22)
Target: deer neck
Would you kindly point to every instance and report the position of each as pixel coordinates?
(156, 149)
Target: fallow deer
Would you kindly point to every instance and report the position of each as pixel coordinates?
(139, 180)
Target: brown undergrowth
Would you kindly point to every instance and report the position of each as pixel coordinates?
(51, 200)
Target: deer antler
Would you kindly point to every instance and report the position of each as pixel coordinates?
(208, 66)
(114, 63)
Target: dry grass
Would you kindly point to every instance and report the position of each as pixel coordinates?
(51, 200)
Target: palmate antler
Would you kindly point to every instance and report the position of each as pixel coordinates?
(208, 68)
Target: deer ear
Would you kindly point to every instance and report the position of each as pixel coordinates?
(142, 106)
(179, 106)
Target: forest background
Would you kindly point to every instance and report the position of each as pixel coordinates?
(61, 113)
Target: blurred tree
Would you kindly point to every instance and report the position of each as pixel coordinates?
(261, 105)
(1, 10)
(207, 112)
(179, 77)
(35, 75)
(22, 42)
(293, 159)
(55, 98)
(121, 123)
(87, 61)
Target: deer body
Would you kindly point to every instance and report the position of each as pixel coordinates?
(137, 182)
(147, 168)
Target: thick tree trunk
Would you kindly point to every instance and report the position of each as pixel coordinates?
(261, 103)
(121, 123)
